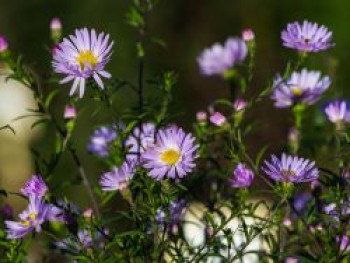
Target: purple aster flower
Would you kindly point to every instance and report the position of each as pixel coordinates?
(290, 169)
(338, 212)
(217, 59)
(118, 178)
(35, 186)
(101, 140)
(242, 176)
(3, 44)
(307, 37)
(146, 139)
(217, 119)
(302, 87)
(172, 155)
(31, 219)
(337, 111)
(82, 56)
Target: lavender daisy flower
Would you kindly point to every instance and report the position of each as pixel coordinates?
(31, 219)
(101, 140)
(173, 154)
(35, 186)
(217, 59)
(146, 138)
(118, 178)
(302, 87)
(82, 56)
(307, 37)
(337, 111)
(242, 177)
(290, 169)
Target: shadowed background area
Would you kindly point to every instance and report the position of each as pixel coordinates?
(187, 27)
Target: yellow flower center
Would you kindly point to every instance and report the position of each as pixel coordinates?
(288, 173)
(32, 217)
(296, 90)
(170, 156)
(86, 57)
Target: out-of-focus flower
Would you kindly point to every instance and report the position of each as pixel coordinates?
(217, 119)
(302, 87)
(85, 239)
(300, 202)
(344, 242)
(88, 213)
(101, 140)
(292, 260)
(30, 219)
(314, 184)
(176, 209)
(290, 169)
(6, 212)
(338, 111)
(242, 177)
(218, 59)
(70, 112)
(287, 222)
(239, 104)
(3, 44)
(146, 139)
(307, 37)
(173, 154)
(201, 116)
(338, 211)
(160, 216)
(118, 178)
(248, 35)
(34, 186)
(82, 56)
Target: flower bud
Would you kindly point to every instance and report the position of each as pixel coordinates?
(56, 29)
(3, 44)
(239, 104)
(70, 112)
(217, 119)
(248, 35)
(201, 116)
(88, 213)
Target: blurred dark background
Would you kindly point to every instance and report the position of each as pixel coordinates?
(187, 27)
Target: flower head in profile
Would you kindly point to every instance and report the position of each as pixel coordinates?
(31, 219)
(302, 87)
(118, 178)
(242, 176)
(83, 56)
(173, 154)
(101, 140)
(217, 119)
(307, 37)
(34, 186)
(291, 169)
(145, 137)
(217, 59)
(338, 111)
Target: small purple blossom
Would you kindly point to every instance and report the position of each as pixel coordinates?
(290, 169)
(118, 178)
(217, 59)
(302, 87)
(34, 186)
(176, 209)
(146, 138)
(101, 140)
(31, 219)
(239, 104)
(3, 44)
(173, 154)
(344, 242)
(307, 37)
(70, 112)
(248, 35)
(217, 119)
(292, 260)
(83, 56)
(242, 177)
(337, 111)
(160, 216)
